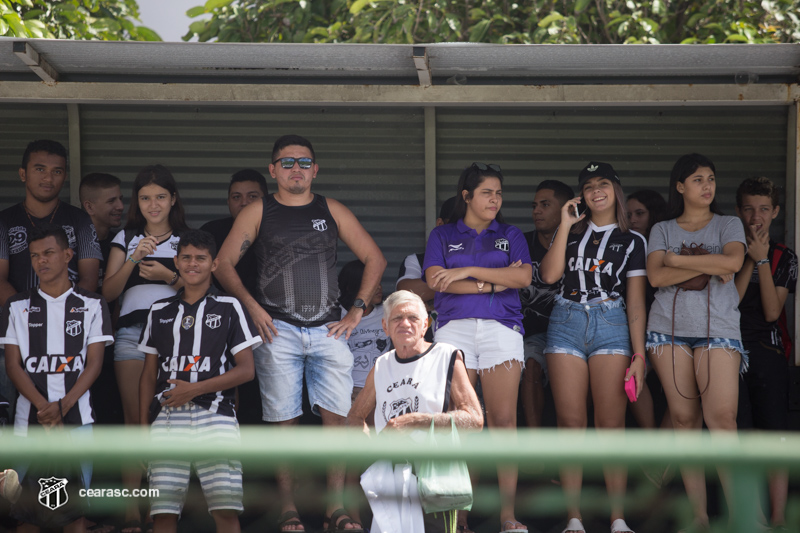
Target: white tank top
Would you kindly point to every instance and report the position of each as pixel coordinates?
(420, 384)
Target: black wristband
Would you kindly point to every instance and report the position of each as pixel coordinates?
(492, 288)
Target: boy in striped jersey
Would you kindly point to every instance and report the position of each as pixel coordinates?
(199, 347)
(54, 337)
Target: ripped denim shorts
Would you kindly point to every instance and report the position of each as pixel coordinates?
(584, 330)
(656, 340)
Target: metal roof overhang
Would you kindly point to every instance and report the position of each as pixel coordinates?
(41, 70)
(429, 76)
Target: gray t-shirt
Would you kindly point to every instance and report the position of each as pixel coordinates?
(691, 308)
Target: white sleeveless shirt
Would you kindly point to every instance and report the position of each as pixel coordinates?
(420, 384)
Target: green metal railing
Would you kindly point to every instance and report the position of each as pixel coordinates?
(745, 456)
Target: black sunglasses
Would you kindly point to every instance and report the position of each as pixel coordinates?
(484, 166)
(288, 162)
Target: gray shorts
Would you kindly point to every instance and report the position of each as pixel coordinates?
(534, 346)
(220, 479)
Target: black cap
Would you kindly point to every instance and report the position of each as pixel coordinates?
(446, 211)
(595, 169)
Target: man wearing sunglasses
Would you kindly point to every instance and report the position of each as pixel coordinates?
(294, 234)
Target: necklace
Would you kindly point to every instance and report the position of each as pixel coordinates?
(147, 233)
(596, 239)
(52, 216)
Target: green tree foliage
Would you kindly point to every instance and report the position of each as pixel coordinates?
(107, 20)
(498, 21)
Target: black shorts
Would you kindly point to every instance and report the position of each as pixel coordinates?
(764, 389)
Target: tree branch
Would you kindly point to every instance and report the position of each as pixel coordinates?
(416, 22)
(601, 13)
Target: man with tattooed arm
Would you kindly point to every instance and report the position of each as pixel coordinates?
(294, 235)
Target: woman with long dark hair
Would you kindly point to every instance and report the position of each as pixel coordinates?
(476, 264)
(646, 208)
(592, 327)
(693, 335)
(140, 271)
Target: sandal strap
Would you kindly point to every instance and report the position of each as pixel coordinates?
(334, 524)
(336, 515)
(289, 518)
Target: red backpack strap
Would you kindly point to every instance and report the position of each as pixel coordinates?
(783, 325)
(777, 252)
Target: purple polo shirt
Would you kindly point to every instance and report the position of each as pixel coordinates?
(457, 245)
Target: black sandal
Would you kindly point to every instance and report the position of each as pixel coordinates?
(334, 527)
(289, 518)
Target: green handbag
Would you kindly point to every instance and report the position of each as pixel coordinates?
(444, 485)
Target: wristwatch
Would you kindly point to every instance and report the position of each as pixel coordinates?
(762, 262)
(359, 304)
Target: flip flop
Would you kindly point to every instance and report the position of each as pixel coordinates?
(574, 524)
(513, 529)
(619, 526)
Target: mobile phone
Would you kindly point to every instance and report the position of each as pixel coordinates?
(579, 209)
(630, 386)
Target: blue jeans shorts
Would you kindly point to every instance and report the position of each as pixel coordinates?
(534, 346)
(584, 330)
(296, 351)
(126, 343)
(656, 341)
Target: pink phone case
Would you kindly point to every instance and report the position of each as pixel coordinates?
(630, 387)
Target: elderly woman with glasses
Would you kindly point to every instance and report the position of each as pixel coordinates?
(476, 264)
(415, 384)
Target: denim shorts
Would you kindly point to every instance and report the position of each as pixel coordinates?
(656, 340)
(126, 344)
(534, 346)
(584, 330)
(326, 363)
(486, 343)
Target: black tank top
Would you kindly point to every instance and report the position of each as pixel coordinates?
(296, 256)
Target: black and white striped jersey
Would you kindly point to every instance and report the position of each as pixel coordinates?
(195, 342)
(140, 293)
(52, 335)
(599, 260)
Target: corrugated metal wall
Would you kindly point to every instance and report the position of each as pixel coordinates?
(372, 159)
(642, 143)
(19, 125)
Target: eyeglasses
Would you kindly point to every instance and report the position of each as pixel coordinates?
(484, 166)
(288, 162)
